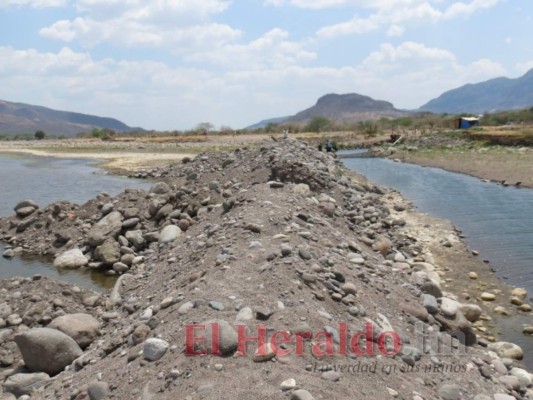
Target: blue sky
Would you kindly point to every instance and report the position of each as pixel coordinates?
(171, 64)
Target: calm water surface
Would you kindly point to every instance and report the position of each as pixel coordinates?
(497, 221)
(46, 180)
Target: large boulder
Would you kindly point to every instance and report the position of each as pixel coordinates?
(507, 350)
(25, 384)
(459, 327)
(108, 252)
(160, 188)
(472, 312)
(169, 234)
(83, 328)
(109, 226)
(71, 259)
(47, 350)
(25, 208)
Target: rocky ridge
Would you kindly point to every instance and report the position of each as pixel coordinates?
(277, 235)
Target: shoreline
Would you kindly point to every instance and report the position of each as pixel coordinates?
(455, 263)
(114, 162)
(508, 167)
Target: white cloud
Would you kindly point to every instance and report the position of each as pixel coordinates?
(401, 12)
(128, 33)
(271, 50)
(396, 30)
(161, 23)
(34, 3)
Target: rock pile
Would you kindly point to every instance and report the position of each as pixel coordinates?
(276, 240)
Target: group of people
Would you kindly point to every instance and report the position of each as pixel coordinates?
(330, 147)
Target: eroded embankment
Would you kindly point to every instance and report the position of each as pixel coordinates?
(278, 236)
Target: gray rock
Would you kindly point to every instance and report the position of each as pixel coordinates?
(245, 314)
(107, 208)
(524, 377)
(448, 307)
(471, 312)
(136, 238)
(228, 338)
(130, 223)
(301, 394)
(108, 252)
(432, 288)
(507, 350)
(164, 212)
(430, 303)
(510, 382)
(185, 307)
(71, 259)
(26, 203)
(450, 392)
(120, 267)
(108, 227)
(25, 384)
(83, 328)
(98, 390)
(5, 310)
(286, 250)
(47, 350)
(9, 253)
(503, 396)
(216, 305)
(160, 188)
(25, 212)
(154, 349)
(169, 234)
(263, 313)
(459, 327)
(331, 376)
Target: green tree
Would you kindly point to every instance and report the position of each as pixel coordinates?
(40, 135)
(318, 124)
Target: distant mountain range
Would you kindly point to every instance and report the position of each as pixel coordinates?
(340, 108)
(20, 118)
(493, 95)
(350, 107)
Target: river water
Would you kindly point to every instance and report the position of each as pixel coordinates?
(46, 180)
(496, 220)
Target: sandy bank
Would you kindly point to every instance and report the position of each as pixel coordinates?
(113, 161)
(509, 165)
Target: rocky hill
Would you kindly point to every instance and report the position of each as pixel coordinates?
(347, 108)
(277, 240)
(20, 118)
(493, 95)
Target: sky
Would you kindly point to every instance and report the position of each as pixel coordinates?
(172, 64)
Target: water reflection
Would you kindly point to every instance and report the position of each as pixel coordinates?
(46, 180)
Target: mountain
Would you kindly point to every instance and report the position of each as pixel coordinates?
(493, 95)
(20, 118)
(265, 122)
(347, 108)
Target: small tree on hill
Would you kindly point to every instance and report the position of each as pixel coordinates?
(40, 135)
(318, 124)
